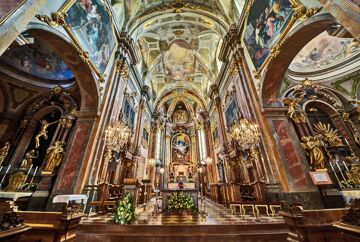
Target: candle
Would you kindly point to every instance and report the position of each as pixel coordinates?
(345, 166)
(36, 168)
(27, 174)
(347, 142)
(7, 170)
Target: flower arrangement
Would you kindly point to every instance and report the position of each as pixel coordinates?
(180, 202)
(125, 211)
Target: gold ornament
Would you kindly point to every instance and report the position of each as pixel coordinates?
(43, 132)
(54, 155)
(16, 180)
(4, 152)
(328, 134)
(312, 146)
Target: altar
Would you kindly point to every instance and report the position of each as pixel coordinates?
(166, 193)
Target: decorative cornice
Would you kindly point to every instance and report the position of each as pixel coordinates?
(127, 46)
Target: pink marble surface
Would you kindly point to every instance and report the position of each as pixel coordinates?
(75, 155)
(288, 149)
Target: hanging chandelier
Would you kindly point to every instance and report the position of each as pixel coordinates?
(117, 136)
(244, 133)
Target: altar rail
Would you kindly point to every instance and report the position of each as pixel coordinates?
(319, 225)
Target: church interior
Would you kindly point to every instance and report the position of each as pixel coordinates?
(180, 120)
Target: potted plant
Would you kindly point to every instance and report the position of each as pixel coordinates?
(125, 211)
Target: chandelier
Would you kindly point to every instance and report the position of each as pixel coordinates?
(244, 133)
(117, 136)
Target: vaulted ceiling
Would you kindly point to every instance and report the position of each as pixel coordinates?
(179, 40)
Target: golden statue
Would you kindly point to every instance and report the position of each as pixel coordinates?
(354, 173)
(4, 152)
(329, 134)
(180, 116)
(43, 132)
(29, 156)
(16, 181)
(54, 155)
(317, 157)
(292, 103)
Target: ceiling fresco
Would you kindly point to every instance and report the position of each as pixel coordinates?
(178, 40)
(179, 54)
(323, 51)
(36, 59)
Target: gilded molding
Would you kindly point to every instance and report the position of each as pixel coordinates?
(300, 12)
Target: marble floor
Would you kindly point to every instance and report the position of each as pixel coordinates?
(215, 215)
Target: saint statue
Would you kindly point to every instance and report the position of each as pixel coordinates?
(43, 132)
(317, 157)
(29, 156)
(4, 152)
(16, 181)
(54, 155)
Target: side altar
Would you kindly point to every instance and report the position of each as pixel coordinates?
(166, 193)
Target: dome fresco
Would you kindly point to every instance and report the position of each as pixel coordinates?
(36, 59)
(323, 51)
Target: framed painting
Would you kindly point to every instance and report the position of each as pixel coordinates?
(231, 113)
(91, 24)
(266, 21)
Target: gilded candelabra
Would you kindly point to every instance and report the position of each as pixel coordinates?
(117, 136)
(244, 133)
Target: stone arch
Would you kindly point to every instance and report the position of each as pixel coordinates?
(296, 40)
(89, 90)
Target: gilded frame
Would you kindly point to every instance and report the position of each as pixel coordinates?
(7, 15)
(299, 12)
(59, 18)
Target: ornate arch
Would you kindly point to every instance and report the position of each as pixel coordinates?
(296, 40)
(89, 90)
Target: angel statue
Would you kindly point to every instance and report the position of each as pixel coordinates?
(317, 157)
(43, 132)
(4, 152)
(54, 155)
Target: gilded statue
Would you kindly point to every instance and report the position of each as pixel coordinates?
(16, 181)
(43, 132)
(4, 152)
(292, 114)
(328, 134)
(180, 116)
(314, 151)
(354, 173)
(54, 155)
(29, 156)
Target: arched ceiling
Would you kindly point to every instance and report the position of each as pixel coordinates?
(178, 40)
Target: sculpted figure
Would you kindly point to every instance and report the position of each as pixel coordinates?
(317, 157)
(16, 180)
(29, 156)
(43, 132)
(4, 152)
(54, 155)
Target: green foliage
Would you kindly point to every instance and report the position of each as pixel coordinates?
(125, 211)
(179, 202)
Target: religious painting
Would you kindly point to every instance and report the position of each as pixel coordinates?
(180, 62)
(231, 113)
(92, 26)
(324, 51)
(266, 21)
(37, 59)
(129, 114)
(8, 7)
(216, 135)
(181, 148)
